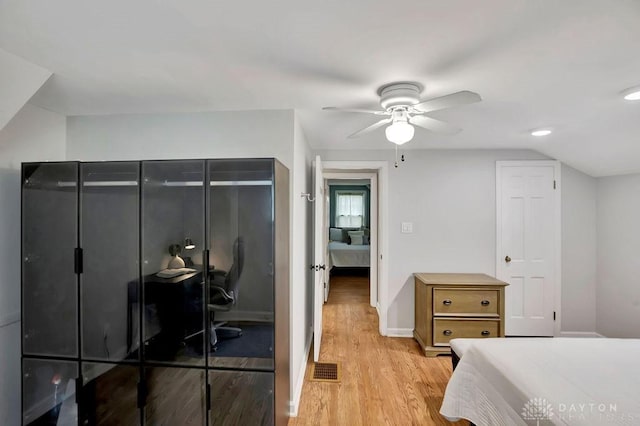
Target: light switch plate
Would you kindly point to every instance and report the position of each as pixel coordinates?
(407, 227)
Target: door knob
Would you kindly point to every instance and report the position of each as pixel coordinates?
(507, 259)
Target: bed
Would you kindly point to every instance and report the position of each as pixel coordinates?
(343, 255)
(524, 381)
(348, 248)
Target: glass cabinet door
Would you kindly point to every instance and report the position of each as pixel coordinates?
(241, 398)
(109, 235)
(49, 240)
(175, 396)
(48, 392)
(241, 276)
(110, 395)
(172, 252)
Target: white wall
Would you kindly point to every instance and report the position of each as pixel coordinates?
(618, 289)
(301, 276)
(33, 134)
(578, 251)
(237, 134)
(449, 196)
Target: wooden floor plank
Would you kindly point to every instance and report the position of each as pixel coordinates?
(385, 381)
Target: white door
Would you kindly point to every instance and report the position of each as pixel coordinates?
(528, 226)
(318, 256)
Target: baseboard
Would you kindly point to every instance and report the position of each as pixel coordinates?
(399, 332)
(9, 319)
(294, 404)
(580, 334)
(254, 316)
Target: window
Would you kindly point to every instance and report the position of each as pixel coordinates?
(350, 209)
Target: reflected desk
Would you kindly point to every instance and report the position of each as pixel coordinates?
(179, 309)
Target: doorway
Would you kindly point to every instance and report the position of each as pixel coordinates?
(376, 172)
(351, 228)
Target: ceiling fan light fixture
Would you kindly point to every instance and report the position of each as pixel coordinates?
(541, 132)
(399, 132)
(632, 94)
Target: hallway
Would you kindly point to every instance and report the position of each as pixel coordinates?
(385, 381)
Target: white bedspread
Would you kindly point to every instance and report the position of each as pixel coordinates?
(575, 381)
(348, 255)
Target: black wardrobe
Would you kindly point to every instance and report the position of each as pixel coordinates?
(155, 292)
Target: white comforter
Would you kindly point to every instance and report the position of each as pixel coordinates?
(348, 255)
(573, 381)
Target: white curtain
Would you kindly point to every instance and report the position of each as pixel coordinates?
(349, 210)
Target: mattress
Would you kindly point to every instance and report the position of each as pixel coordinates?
(520, 381)
(348, 255)
(460, 346)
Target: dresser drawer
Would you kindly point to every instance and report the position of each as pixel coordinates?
(445, 329)
(469, 301)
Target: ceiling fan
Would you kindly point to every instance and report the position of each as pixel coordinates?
(403, 109)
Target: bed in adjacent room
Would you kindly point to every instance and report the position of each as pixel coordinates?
(520, 381)
(348, 248)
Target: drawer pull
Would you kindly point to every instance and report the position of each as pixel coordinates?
(485, 303)
(447, 332)
(446, 302)
(485, 333)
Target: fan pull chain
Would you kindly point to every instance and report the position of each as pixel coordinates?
(396, 164)
(401, 158)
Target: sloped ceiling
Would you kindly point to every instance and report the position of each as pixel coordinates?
(19, 80)
(535, 63)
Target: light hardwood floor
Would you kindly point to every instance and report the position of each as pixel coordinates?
(385, 381)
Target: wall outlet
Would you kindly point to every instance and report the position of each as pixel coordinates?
(407, 227)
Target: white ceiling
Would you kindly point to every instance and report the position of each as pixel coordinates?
(535, 63)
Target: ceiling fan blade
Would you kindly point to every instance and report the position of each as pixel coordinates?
(433, 124)
(364, 111)
(448, 101)
(371, 128)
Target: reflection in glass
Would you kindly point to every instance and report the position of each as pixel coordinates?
(109, 395)
(109, 233)
(241, 305)
(48, 392)
(241, 398)
(172, 208)
(176, 396)
(49, 240)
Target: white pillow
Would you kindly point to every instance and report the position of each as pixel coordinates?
(353, 235)
(357, 240)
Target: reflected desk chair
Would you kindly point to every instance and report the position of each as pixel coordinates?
(223, 294)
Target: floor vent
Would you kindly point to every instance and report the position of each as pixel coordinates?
(325, 372)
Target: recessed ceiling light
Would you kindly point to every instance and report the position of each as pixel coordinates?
(540, 132)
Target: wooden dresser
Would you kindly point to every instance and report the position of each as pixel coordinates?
(448, 306)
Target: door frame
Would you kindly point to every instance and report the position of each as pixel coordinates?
(381, 169)
(373, 225)
(557, 225)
